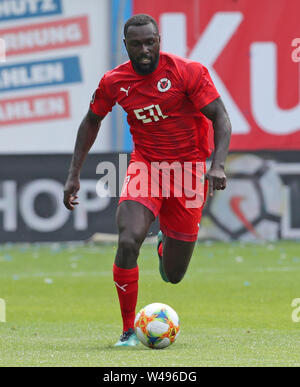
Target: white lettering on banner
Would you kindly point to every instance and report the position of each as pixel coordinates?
(47, 36)
(20, 7)
(53, 189)
(28, 197)
(207, 50)
(8, 204)
(8, 8)
(263, 78)
(263, 73)
(173, 33)
(37, 74)
(48, 5)
(41, 107)
(88, 203)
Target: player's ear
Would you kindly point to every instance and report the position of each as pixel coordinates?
(124, 41)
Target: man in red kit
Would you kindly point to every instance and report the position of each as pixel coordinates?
(168, 100)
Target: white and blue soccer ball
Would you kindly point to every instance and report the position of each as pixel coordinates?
(157, 326)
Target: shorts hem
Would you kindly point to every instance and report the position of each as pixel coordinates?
(148, 204)
(179, 235)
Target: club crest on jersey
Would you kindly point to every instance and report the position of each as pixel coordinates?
(164, 85)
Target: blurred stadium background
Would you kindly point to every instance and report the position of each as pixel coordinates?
(59, 297)
(56, 53)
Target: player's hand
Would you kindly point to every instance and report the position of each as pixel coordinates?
(71, 188)
(216, 179)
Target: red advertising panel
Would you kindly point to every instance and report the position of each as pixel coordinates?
(34, 108)
(31, 38)
(252, 50)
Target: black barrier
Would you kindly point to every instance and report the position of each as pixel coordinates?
(261, 200)
(31, 199)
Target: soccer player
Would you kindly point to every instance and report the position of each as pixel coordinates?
(168, 100)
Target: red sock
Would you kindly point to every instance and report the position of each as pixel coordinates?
(126, 281)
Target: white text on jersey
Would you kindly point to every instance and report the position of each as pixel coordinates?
(153, 110)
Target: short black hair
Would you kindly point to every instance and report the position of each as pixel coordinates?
(140, 20)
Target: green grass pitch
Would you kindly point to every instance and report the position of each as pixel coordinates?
(234, 305)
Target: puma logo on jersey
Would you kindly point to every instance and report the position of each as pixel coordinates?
(125, 91)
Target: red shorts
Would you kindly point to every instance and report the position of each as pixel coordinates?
(176, 192)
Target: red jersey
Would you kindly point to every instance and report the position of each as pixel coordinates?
(163, 107)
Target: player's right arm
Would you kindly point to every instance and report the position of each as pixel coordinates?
(101, 103)
(86, 136)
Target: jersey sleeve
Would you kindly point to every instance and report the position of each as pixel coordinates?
(199, 85)
(102, 100)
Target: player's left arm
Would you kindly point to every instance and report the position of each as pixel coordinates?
(216, 112)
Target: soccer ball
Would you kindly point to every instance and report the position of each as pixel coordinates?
(157, 325)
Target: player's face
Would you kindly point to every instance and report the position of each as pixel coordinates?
(142, 45)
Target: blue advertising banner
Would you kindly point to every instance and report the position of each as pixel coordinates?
(22, 9)
(43, 73)
(121, 11)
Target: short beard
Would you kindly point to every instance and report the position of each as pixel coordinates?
(140, 70)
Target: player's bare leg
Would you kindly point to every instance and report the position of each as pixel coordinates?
(175, 256)
(133, 220)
